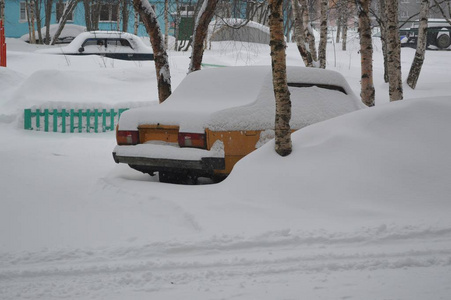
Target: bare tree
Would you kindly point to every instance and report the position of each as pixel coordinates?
(200, 32)
(29, 4)
(417, 63)
(299, 34)
(308, 32)
(150, 20)
(92, 14)
(37, 5)
(278, 58)
(68, 10)
(393, 51)
(48, 4)
(323, 35)
(125, 14)
(366, 53)
(166, 23)
(344, 25)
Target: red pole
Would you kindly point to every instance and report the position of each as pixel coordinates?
(2, 45)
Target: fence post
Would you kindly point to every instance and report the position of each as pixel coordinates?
(80, 120)
(55, 120)
(38, 119)
(27, 119)
(63, 121)
(72, 123)
(2, 45)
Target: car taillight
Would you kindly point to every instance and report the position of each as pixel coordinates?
(127, 137)
(194, 140)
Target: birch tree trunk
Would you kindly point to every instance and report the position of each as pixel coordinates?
(393, 51)
(150, 21)
(48, 15)
(87, 7)
(366, 53)
(125, 15)
(37, 5)
(299, 34)
(308, 33)
(417, 63)
(282, 95)
(338, 23)
(344, 27)
(68, 10)
(166, 24)
(323, 35)
(200, 33)
(383, 27)
(30, 17)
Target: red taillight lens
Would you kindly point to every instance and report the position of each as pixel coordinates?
(194, 140)
(127, 137)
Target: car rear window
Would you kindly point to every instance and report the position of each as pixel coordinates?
(322, 86)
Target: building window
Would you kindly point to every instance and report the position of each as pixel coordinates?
(23, 12)
(109, 12)
(59, 12)
(404, 14)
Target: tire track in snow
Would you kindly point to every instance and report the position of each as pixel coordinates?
(219, 258)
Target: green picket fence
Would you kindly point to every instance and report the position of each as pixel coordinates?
(72, 120)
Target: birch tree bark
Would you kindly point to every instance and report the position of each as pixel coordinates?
(278, 59)
(37, 6)
(48, 15)
(150, 21)
(166, 24)
(125, 15)
(366, 53)
(68, 10)
(344, 26)
(323, 35)
(30, 18)
(393, 51)
(418, 60)
(200, 33)
(299, 34)
(308, 33)
(382, 20)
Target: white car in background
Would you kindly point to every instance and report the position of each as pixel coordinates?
(112, 44)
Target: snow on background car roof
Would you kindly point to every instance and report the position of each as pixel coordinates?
(242, 98)
(136, 42)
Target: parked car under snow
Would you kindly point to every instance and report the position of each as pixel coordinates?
(217, 116)
(112, 44)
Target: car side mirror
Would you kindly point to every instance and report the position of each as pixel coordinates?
(81, 49)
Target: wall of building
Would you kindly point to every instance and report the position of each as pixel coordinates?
(16, 26)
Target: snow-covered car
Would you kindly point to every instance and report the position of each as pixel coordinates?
(112, 44)
(217, 116)
(70, 31)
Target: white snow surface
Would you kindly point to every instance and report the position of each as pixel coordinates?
(359, 210)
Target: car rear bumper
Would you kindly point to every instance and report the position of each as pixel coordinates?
(149, 158)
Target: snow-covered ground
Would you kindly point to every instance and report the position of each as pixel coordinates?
(359, 210)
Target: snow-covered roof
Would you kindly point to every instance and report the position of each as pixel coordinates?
(242, 98)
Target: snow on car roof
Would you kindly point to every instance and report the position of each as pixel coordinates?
(242, 98)
(135, 41)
